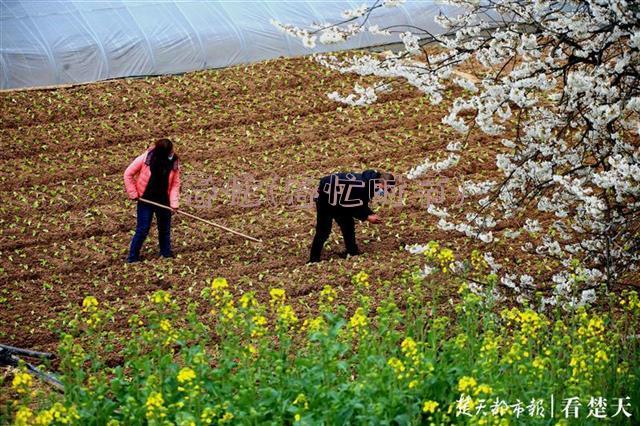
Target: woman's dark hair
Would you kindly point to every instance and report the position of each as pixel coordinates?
(160, 156)
(163, 147)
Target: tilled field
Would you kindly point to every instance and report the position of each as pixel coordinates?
(66, 222)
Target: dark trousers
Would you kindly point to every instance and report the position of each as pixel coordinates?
(325, 215)
(145, 214)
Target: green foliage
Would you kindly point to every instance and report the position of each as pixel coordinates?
(233, 360)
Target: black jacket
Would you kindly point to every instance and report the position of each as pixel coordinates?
(158, 185)
(348, 193)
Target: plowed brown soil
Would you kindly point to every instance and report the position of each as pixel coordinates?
(66, 222)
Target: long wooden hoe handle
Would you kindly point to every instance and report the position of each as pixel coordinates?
(202, 220)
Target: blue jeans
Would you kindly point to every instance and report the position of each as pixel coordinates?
(145, 215)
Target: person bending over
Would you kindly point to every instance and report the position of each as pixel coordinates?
(344, 197)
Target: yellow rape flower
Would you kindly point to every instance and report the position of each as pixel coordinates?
(219, 284)
(44, 418)
(58, 413)
(477, 261)
(314, 325)
(466, 383)
(155, 405)
(155, 399)
(397, 366)
(328, 294)
(446, 259)
(208, 414)
(226, 417)
(161, 297)
(431, 249)
(529, 316)
(72, 414)
(460, 340)
(596, 325)
(228, 310)
(93, 320)
(248, 300)
(430, 407)
(601, 356)
(409, 347)
(538, 363)
(490, 342)
(186, 374)
(252, 349)
(260, 320)
(259, 323)
(165, 325)
(170, 334)
(277, 295)
(530, 322)
(510, 314)
(135, 320)
(633, 304)
(484, 389)
(573, 362)
(358, 321)
(90, 306)
(219, 291)
(361, 279)
(23, 415)
(89, 302)
(21, 382)
(287, 315)
(301, 399)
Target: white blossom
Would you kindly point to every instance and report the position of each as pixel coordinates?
(466, 84)
(361, 95)
(410, 41)
(309, 41)
(426, 271)
(416, 248)
(587, 297)
(356, 12)
(495, 266)
(509, 281)
(438, 166)
(532, 225)
(559, 90)
(454, 146)
(392, 3)
(376, 30)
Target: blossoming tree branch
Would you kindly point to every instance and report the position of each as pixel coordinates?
(558, 83)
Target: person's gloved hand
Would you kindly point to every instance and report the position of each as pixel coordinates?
(374, 218)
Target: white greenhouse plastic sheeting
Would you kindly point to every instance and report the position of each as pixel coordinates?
(59, 42)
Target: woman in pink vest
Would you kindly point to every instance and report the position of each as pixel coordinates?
(154, 176)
